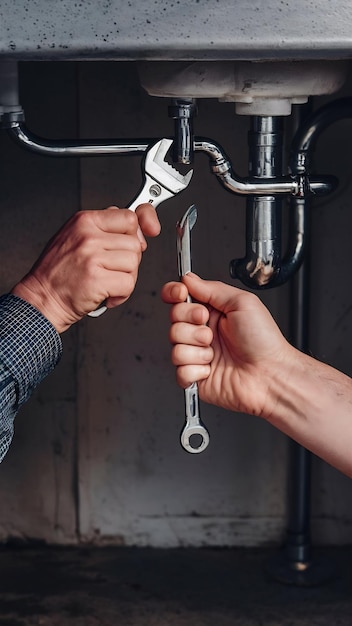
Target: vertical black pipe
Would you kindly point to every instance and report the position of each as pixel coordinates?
(296, 564)
(298, 538)
(293, 564)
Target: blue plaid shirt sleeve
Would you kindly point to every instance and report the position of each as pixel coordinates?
(30, 348)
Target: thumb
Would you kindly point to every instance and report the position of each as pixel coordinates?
(218, 295)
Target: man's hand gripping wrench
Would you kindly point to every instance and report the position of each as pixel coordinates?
(161, 182)
(194, 425)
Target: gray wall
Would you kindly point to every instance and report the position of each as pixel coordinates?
(96, 455)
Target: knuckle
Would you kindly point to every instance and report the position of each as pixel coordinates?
(82, 219)
(130, 218)
(177, 355)
(249, 298)
(177, 333)
(129, 283)
(133, 258)
(204, 335)
(91, 269)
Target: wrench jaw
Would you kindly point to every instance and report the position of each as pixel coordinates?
(162, 172)
(157, 156)
(161, 180)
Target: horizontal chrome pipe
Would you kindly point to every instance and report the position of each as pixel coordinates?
(62, 148)
(221, 166)
(295, 186)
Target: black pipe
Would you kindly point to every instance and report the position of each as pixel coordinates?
(298, 535)
(307, 134)
(293, 564)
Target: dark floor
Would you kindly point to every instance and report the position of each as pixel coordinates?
(146, 587)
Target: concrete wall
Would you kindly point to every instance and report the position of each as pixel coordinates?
(96, 455)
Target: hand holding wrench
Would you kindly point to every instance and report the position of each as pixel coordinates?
(161, 182)
(194, 425)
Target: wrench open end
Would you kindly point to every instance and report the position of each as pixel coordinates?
(159, 169)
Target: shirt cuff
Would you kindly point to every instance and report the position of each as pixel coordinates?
(30, 346)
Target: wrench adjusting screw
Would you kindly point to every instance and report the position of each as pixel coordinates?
(155, 191)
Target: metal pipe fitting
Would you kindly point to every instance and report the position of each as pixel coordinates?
(9, 99)
(182, 111)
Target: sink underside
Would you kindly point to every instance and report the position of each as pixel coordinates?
(175, 30)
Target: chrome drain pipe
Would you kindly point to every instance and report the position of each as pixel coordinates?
(263, 231)
(220, 164)
(18, 131)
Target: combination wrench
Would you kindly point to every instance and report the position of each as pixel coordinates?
(194, 428)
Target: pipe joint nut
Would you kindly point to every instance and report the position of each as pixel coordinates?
(182, 109)
(9, 119)
(220, 167)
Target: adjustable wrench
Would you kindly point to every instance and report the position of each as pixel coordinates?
(194, 425)
(161, 182)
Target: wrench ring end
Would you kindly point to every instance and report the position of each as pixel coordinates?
(186, 435)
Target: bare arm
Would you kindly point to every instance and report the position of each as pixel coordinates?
(232, 346)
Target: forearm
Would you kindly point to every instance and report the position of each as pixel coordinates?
(312, 403)
(29, 350)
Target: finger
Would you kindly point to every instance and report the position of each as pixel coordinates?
(116, 242)
(124, 224)
(111, 303)
(223, 297)
(120, 260)
(117, 286)
(190, 312)
(148, 220)
(173, 292)
(111, 220)
(191, 355)
(182, 333)
(188, 374)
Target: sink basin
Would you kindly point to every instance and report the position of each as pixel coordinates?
(257, 88)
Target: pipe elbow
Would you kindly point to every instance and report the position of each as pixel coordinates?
(255, 272)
